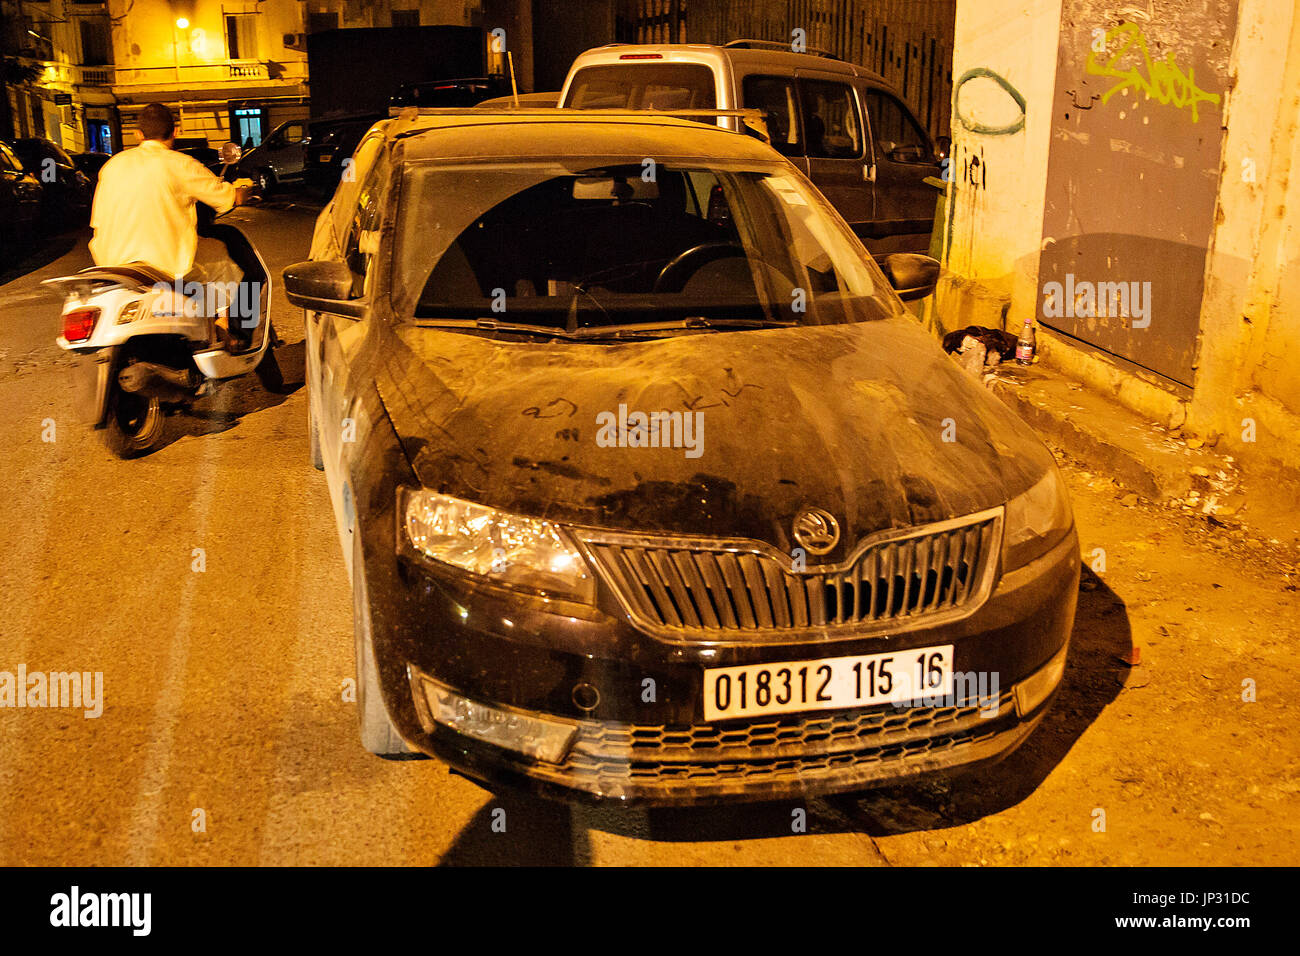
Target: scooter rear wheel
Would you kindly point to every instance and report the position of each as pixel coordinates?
(135, 423)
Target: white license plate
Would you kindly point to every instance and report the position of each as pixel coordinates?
(832, 683)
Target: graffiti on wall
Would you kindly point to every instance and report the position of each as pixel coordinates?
(1161, 80)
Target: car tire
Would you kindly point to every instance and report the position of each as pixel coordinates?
(313, 439)
(378, 735)
(135, 424)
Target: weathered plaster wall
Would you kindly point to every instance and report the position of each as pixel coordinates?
(1248, 382)
(1246, 391)
(1004, 52)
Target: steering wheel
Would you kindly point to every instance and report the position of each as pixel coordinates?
(673, 276)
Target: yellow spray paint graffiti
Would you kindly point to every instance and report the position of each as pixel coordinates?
(1164, 80)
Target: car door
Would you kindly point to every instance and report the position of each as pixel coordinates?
(904, 157)
(835, 144)
(339, 338)
(325, 356)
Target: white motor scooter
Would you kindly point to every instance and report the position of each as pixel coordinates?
(145, 342)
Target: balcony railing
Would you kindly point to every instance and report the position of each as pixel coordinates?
(190, 75)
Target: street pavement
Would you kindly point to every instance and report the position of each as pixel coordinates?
(205, 582)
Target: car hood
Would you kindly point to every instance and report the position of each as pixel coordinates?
(871, 422)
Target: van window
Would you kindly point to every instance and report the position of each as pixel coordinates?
(775, 96)
(643, 86)
(832, 129)
(898, 138)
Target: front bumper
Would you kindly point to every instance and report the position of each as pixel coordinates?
(653, 748)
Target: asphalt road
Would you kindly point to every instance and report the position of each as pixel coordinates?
(224, 737)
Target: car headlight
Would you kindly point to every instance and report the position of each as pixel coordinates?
(1036, 520)
(506, 549)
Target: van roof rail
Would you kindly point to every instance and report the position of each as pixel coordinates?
(777, 45)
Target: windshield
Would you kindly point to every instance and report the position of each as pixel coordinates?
(643, 86)
(649, 244)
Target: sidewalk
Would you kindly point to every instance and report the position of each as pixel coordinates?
(1150, 462)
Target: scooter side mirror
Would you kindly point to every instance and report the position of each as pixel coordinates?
(231, 154)
(322, 286)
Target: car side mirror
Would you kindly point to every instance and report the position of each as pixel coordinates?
(322, 286)
(912, 275)
(907, 154)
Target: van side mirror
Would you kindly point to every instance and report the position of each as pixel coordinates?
(322, 286)
(912, 275)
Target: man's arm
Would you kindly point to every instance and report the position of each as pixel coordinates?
(201, 185)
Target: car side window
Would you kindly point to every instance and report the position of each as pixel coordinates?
(775, 96)
(832, 128)
(354, 171)
(291, 135)
(898, 138)
(363, 231)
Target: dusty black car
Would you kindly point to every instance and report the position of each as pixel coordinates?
(649, 486)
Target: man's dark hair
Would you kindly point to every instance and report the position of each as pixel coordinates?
(156, 122)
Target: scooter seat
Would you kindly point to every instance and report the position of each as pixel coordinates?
(140, 274)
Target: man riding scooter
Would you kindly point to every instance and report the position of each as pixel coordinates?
(171, 309)
(144, 211)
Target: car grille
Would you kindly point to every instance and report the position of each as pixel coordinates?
(608, 757)
(683, 587)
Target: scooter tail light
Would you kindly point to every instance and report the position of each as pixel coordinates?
(79, 323)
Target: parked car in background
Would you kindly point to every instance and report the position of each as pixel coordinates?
(66, 191)
(278, 159)
(91, 164)
(527, 101)
(332, 144)
(20, 202)
(842, 125)
(200, 149)
(444, 94)
(652, 490)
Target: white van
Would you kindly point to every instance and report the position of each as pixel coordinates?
(841, 124)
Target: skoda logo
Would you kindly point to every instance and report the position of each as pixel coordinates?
(816, 530)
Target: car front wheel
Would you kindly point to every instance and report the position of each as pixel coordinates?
(378, 735)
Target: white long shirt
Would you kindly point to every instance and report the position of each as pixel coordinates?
(144, 207)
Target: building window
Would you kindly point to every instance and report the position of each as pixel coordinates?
(316, 22)
(241, 35)
(95, 48)
(406, 18)
(247, 126)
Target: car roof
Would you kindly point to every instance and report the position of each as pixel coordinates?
(478, 133)
(772, 57)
